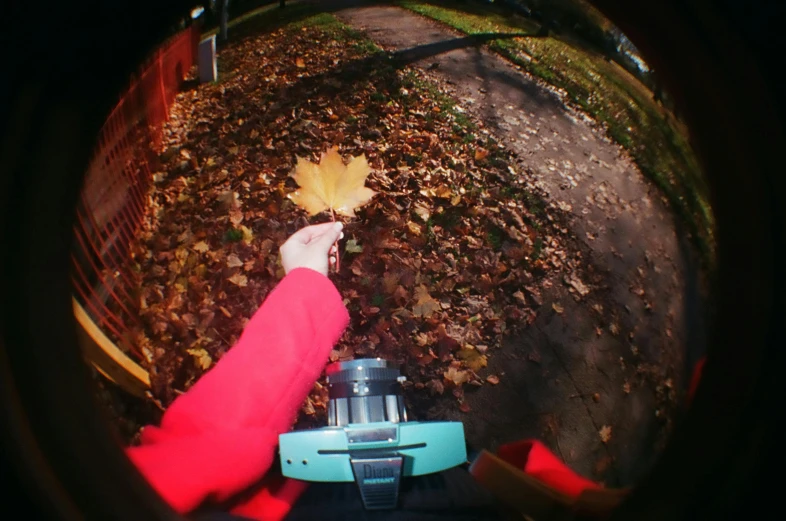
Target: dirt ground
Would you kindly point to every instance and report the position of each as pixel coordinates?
(601, 373)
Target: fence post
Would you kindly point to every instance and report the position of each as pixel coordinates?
(161, 84)
(207, 60)
(107, 358)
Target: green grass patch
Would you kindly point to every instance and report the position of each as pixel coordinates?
(366, 46)
(495, 237)
(448, 106)
(447, 219)
(607, 93)
(233, 235)
(534, 204)
(537, 249)
(327, 23)
(378, 299)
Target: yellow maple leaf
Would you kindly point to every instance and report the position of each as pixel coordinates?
(331, 185)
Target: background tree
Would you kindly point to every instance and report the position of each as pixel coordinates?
(224, 21)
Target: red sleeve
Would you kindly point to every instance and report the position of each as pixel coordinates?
(535, 459)
(220, 436)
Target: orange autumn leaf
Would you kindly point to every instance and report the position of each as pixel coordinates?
(426, 305)
(331, 185)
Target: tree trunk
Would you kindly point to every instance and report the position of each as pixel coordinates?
(282, 3)
(224, 19)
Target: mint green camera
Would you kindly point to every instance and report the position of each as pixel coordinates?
(368, 439)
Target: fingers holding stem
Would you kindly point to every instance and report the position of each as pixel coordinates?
(333, 254)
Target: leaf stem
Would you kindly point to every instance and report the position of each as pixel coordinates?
(338, 261)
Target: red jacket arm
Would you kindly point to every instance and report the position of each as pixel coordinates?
(219, 437)
(534, 458)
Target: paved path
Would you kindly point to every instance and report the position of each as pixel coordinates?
(616, 357)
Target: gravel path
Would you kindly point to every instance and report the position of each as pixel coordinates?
(615, 356)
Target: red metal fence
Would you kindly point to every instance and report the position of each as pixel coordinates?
(115, 192)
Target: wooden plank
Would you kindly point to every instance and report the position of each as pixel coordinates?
(107, 358)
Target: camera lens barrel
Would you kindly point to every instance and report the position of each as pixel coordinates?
(367, 390)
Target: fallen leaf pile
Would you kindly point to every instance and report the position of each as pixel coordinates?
(438, 267)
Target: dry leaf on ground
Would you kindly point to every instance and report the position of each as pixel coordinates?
(472, 359)
(202, 357)
(605, 433)
(239, 279)
(425, 304)
(435, 386)
(233, 261)
(578, 285)
(456, 376)
(352, 246)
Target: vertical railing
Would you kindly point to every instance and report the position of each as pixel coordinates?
(115, 193)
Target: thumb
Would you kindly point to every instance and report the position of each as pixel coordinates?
(326, 240)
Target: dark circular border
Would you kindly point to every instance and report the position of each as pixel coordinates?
(68, 63)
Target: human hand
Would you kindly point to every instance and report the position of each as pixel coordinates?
(309, 247)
